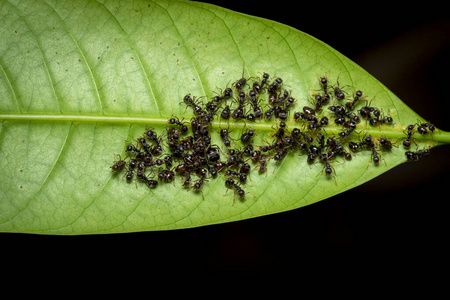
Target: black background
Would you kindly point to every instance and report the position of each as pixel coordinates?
(396, 223)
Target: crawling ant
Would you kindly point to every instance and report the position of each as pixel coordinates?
(198, 185)
(238, 114)
(409, 133)
(152, 135)
(375, 156)
(197, 109)
(239, 84)
(351, 127)
(328, 168)
(246, 136)
(339, 93)
(226, 112)
(225, 138)
(166, 175)
(280, 154)
(229, 183)
(262, 167)
(149, 182)
(385, 119)
(272, 89)
(118, 165)
(335, 148)
(187, 181)
(324, 83)
(385, 143)
(131, 165)
(423, 128)
(242, 176)
(175, 121)
(351, 105)
(256, 156)
(416, 156)
(227, 93)
(268, 113)
(264, 80)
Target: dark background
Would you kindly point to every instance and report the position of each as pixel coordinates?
(396, 223)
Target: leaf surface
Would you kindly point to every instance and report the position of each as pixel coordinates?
(78, 79)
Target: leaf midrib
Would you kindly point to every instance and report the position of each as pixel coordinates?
(391, 132)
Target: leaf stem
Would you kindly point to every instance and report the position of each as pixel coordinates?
(397, 132)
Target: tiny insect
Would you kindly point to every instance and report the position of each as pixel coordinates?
(409, 133)
(246, 136)
(183, 127)
(339, 93)
(118, 165)
(416, 156)
(385, 143)
(351, 105)
(225, 138)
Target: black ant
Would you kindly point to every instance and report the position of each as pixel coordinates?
(384, 119)
(226, 112)
(187, 181)
(339, 93)
(351, 127)
(268, 113)
(351, 105)
(225, 138)
(335, 148)
(375, 156)
(238, 113)
(264, 80)
(131, 165)
(183, 127)
(149, 182)
(239, 84)
(197, 185)
(409, 133)
(226, 95)
(273, 88)
(118, 165)
(166, 175)
(328, 168)
(152, 135)
(324, 83)
(385, 143)
(423, 128)
(230, 184)
(262, 167)
(415, 156)
(280, 154)
(256, 156)
(246, 136)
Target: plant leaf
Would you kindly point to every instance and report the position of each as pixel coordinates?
(77, 79)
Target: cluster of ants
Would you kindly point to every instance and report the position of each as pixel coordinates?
(186, 150)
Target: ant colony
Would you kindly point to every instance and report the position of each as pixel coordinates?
(185, 150)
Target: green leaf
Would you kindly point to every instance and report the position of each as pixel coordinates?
(79, 78)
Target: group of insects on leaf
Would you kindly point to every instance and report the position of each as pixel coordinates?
(186, 149)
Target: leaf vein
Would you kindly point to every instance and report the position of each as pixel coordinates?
(82, 55)
(138, 55)
(186, 48)
(11, 87)
(44, 60)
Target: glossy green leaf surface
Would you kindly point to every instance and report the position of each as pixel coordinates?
(79, 78)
